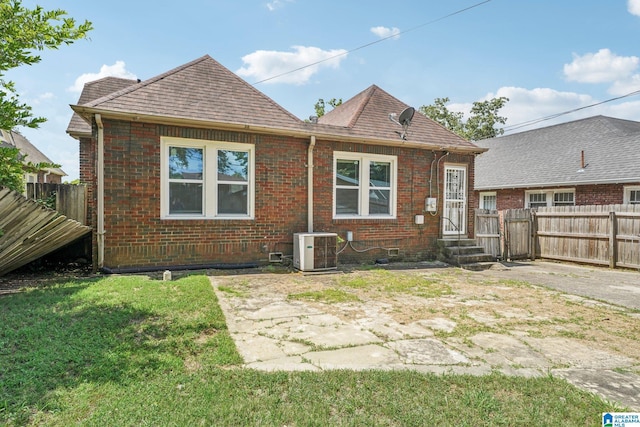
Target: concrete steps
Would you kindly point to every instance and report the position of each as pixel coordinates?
(464, 253)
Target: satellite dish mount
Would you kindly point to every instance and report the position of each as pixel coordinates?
(404, 120)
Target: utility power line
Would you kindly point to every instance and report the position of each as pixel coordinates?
(511, 128)
(457, 12)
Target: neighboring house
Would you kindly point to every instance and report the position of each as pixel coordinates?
(196, 167)
(32, 155)
(593, 161)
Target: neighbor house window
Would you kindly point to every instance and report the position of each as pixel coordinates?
(632, 195)
(364, 185)
(488, 200)
(206, 179)
(542, 198)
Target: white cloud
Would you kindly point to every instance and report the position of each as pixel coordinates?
(633, 6)
(277, 4)
(384, 32)
(265, 64)
(116, 70)
(601, 67)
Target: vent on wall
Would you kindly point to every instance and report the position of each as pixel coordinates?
(315, 251)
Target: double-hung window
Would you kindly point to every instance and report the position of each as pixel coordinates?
(632, 195)
(206, 179)
(364, 185)
(541, 198)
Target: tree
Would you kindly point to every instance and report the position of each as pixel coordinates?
(22, 32)
(481, 123)
(321, 105)
(13, 165)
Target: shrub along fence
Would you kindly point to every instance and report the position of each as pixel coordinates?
(595, 234)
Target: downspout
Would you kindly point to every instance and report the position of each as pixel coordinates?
(100, 190)
(312, 144)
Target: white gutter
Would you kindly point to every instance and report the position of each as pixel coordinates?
(100, 190)
(312, 143)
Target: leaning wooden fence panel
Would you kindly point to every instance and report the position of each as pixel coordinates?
(29, 230)
(596, 234)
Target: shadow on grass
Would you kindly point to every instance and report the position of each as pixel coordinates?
(54, 338)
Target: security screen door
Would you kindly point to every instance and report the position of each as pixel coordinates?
(455, 201)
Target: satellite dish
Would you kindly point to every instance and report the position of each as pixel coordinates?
(406, 116)
(403, 120)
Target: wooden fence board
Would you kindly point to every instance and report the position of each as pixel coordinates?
(595, 234)
(30, 230)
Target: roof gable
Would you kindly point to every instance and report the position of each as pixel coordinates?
(367, 115)
(552, 156)
(32, 153)
(91, 91)
(199, 90)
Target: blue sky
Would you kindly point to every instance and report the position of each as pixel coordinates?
(546, 56)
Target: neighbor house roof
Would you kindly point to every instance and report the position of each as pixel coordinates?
(92, 91)
(553, 156)
(33, 155)
(204, 93)
(367, 115)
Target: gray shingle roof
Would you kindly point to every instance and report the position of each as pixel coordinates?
(92, 91)
(34, 155)
(367, 115)
(199, 90)
(204, 91)
(552, 156)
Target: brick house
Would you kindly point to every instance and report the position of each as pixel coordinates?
(195, 167)
(592, 161)
(32, 155)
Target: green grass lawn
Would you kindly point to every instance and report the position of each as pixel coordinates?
(131, 351)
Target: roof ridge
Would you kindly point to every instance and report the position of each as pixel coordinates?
(145, 83)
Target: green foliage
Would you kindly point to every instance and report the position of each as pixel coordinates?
(320, 106)
(13, 165)
(482, 122)
(11, 173)
(22, 32)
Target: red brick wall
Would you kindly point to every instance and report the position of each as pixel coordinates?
(373, 237)
(136, 236)
(601, 194)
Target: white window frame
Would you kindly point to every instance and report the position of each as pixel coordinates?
(363, 201)
(549, 194)
(627, 193)
(210, 178)
(484, 194)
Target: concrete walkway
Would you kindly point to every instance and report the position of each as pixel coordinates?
(273, 333)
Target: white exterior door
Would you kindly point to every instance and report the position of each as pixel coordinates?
(454, 220)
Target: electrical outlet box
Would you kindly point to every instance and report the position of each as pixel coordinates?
(431, 204)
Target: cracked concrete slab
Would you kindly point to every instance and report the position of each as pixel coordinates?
(273, 333)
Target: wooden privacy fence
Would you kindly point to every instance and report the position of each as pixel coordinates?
(595, 234)
(29, 230)
(69, 200)
(603, 235)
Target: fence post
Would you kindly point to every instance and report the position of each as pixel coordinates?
(613, 246)
(532, 237)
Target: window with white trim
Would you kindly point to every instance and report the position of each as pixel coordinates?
(488, 200)
(542, 198)
(364, 185)
(632, 195)
(206, 179)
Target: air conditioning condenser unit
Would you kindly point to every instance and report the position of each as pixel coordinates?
(315, 251)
